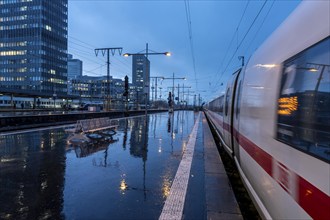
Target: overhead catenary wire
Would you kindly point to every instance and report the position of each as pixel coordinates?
(262, 23)
(230, 44)
(79, 51)
(84, 54)
(239, 45)
(92, 47)
(74, 38)
(233, 37)
(246, 33)
(92, 70)
(190, 34)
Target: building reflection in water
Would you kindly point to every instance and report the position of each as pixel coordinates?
(32, 167)
(139, 138)
(139, 143)
(41, 176)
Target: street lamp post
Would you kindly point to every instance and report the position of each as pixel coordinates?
(146, 84)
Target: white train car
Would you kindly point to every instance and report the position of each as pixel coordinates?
(7, 102)
(274, 119)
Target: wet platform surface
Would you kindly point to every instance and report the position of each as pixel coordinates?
(128, 177)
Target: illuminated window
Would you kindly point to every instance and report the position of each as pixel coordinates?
(12, 52)
(303, 105)
(48, 28)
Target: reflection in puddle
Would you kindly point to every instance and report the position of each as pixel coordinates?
(123, 186)
(166, 186)
(32, 178)
(43, 176)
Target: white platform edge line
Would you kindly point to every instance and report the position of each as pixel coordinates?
(174, 204)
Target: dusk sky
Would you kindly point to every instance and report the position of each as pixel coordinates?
(220, 31)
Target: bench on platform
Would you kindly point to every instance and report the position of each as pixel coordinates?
(92, 125)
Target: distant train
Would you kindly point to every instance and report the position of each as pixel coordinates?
(274, 118)
(6, 102)
(88, 105)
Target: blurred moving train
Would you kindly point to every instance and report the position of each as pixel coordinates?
(274, 118)
(6, 102)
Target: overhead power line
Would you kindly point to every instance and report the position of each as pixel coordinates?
(262, 23)
(239, 45)
(92, 71)
(246, 33)
(91, 47)
(188, 16)
(233, 37)
(121, 65)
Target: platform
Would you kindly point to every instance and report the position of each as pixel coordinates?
(165, 167)
(220, 201)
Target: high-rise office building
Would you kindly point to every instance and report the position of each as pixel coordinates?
(141, 78)
(74, 67)
(33, 45)
(74, 71)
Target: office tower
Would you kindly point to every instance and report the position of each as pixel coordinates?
(141, 76)
(33, 46)
(74, 72)
(74, 67)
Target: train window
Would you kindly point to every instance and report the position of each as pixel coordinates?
(238, 99)
(220, 104)
(227, 101)
(304, 101)
(217, 105)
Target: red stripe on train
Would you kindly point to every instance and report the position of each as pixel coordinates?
(260, 156)
(315, 202)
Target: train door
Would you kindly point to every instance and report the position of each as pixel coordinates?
(229, 113)
(236, 116)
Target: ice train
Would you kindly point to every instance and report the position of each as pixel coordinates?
(274, 118)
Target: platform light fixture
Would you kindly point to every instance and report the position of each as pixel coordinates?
(164, 53)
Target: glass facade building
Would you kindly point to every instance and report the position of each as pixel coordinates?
(75, 67)
(141, 77)
(33, 45)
